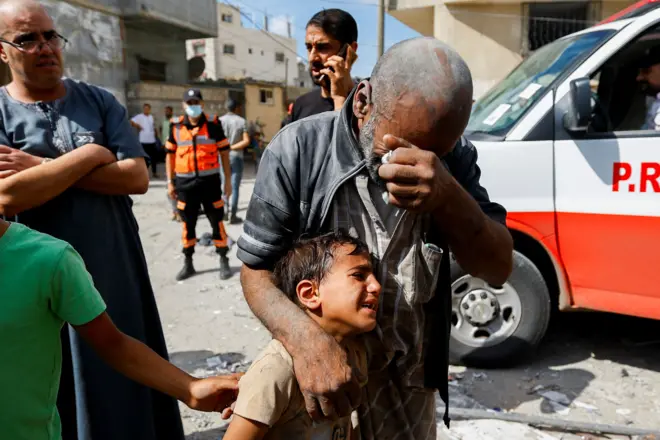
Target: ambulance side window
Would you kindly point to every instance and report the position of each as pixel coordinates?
(626, 89)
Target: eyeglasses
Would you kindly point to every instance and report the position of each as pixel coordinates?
(55, 41)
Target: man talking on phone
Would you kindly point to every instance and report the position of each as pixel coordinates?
(331, 41)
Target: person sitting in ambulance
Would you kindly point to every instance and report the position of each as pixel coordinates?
(649, 79)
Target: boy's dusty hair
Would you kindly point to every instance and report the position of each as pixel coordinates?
(311, 258)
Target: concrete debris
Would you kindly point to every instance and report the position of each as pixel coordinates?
(206, 240)
(535, 389)
(556, 397)
(492, 430)
(558, 408)
(586, 406)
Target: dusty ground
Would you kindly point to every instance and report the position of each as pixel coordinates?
(607, 368)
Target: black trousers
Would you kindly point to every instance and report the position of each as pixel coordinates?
(154, 156)
(193, 193)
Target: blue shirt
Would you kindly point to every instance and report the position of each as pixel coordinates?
(103, 230)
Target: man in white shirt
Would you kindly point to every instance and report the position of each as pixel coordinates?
(144, 122)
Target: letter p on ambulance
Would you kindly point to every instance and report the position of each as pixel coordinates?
(621, 171)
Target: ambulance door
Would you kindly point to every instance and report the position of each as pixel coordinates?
(608, 179)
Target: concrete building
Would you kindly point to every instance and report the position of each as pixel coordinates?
(303, 79)
(264, 104)
(117, 43)
(494, 35)
(239, 52)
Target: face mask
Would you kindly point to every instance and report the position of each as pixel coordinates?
(193, 111)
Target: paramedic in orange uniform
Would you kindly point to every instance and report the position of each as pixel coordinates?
(194, 148)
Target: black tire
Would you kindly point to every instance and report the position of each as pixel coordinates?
(535, 302)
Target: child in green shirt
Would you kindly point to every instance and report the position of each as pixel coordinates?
(44, 284)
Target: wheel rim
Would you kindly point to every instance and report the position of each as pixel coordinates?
(483, 315)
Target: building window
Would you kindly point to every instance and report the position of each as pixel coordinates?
(266, 97)
(250, 51)
(547, 22)
(279, 57)
(228, 49)
(262, 53)
(152, 70)
(227, 18)
(302, 83)
(199, 49)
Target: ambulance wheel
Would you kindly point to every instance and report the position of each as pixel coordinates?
(498, 326)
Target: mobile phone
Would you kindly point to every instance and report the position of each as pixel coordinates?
(341, 54)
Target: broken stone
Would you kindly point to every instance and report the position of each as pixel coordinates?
(586, 406)
(558, 408)
(554, 396)
(206, 240)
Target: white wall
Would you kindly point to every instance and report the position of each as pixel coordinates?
(260, 64)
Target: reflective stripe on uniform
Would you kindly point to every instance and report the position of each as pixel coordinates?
(200, 173)
(219, 204)
(222, 243)
(187, 243)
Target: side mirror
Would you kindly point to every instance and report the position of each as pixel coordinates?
(578, 116)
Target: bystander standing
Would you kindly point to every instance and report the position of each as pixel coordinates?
(235, 128)
(49, 128)
(144, 122)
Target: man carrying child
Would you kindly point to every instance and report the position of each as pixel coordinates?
(391, 168)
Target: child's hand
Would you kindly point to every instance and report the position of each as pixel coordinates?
(214, 393)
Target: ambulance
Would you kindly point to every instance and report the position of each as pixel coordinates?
(565, 145)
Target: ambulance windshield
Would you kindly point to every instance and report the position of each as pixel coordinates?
(499, 109)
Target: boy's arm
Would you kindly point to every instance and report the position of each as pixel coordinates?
(140, 363)
(74, 299)
(245, 429)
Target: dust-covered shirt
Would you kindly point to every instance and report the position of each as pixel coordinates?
(269, 394)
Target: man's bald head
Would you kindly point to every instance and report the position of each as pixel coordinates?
(9, 9)
(420, 90)
(426, 70)
(32, 47)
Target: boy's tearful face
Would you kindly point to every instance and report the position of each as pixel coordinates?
(349, 293)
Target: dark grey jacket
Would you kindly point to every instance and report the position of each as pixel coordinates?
(299, 174)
